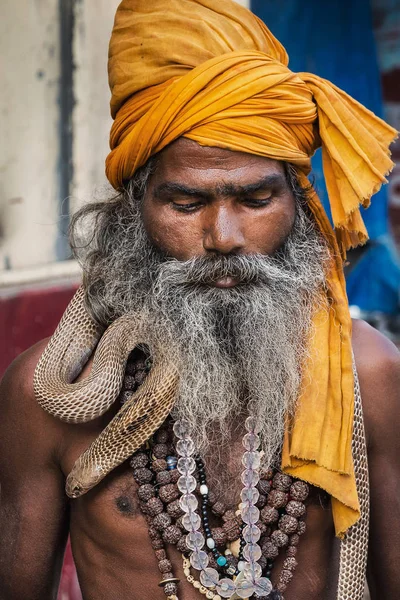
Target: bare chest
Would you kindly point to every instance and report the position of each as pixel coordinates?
(115, 558)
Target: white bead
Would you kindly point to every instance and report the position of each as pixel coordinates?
(241, 565)
(210, 543)
(203, 490)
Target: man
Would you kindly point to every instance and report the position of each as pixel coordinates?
(219, 249)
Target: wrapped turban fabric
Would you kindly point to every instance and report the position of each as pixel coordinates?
(211, 71)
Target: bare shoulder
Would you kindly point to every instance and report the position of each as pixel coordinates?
(378, 365)
(22, 417)
(18, 379)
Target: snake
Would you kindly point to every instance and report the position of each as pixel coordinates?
(77, 337)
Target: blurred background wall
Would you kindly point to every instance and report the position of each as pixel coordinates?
(54, 126)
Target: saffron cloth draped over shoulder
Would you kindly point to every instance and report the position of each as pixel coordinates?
(213, 72)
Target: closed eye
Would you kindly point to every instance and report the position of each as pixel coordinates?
(187, 207)
(258, 203)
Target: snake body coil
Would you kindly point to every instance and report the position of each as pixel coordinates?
(74, 340)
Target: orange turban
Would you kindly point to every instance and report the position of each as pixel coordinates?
(212, 72)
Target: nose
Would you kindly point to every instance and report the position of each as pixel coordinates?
(223, 232)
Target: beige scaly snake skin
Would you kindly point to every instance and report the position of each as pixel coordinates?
(69, 348)
(354, 546)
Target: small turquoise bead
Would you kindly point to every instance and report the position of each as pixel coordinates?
(221, 561)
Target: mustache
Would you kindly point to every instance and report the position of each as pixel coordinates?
(246, 269)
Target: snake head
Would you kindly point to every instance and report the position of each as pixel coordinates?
(84, 476)
(73, 487)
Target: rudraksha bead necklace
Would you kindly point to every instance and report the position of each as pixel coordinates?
(163, 504)
(270, 516)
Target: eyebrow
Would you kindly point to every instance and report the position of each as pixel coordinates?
(170, 188)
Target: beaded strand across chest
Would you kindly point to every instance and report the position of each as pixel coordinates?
(236, 559)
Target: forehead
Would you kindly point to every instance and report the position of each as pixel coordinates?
(186, 161)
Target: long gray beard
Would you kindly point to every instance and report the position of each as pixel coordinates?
(239, 350)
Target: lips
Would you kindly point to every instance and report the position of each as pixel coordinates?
(225, 282)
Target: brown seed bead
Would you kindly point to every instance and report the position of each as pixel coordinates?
(140, 376)
(219, 536)
(274, 595)
(153, 532)
(155, 506)
(160, 450)
(211, 561)
(262, 561)
(181, 544)
(288, 524)
(174, 475)
(160, 554)
(168, 493)
(145, 492)
(144, 508)
(159, 464)
(139, 460)
(266, 473)
(286, 576)
(269, 514)
(174, 509)
(264, 487)
(172, 534)
(163, 477)
(141, 362)
(165, 565)
(129, 382)
(281, 587)
(301, 528)
(295, 508)
(178, 522)
(299, 490)
(270, 550)
(162, 521)
(124, 396)
(212, 498)
(265, 530)
(142, 475)
(231, 529)
(157, 543)
(277, 499)
(294, 540)
(170, 589)
(282, 482)
(161, 436)
(131, 367)
(290, 564)
(229, 515)
(218, 508)
(279, 538)
(262, 501)
(291, 551)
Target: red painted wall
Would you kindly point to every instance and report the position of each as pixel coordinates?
(29, 317)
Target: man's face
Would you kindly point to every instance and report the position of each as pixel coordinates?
(222, 267)
(210, 201)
